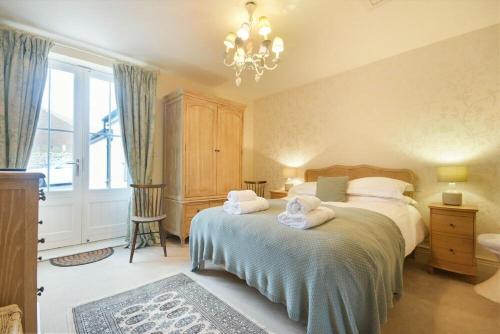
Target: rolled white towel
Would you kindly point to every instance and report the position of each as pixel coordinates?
(241, 196)
(302, 204)
(315, 217)
(239, 208)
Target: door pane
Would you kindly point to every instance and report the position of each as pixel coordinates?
(99, 104)
(61, 99)
(61, 159)
(107, 167)
(39, 159)
(97, 162)
(119, 173)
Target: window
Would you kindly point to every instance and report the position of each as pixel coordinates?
(79, 122)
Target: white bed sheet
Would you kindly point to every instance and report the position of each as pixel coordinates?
(405, 216)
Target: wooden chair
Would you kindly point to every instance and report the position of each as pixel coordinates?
(148, 208)
(258, 186)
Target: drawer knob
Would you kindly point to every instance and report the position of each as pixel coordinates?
(197, 210)
(452, 225)
(452, 251)
(40, 290)
(42, 241)
(41, 195)
(39, 258)
(40, 222)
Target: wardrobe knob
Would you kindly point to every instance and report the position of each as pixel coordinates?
(42, 241)
(40, 222)
(39, 258)
(40, 290)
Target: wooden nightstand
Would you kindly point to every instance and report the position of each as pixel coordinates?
(279, 193)
(453, 238)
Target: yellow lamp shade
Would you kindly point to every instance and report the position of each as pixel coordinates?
(452, 174)
(230, 40)
(289, 172)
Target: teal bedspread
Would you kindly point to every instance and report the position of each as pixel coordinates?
(340, 277)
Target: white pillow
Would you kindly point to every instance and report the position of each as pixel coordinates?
(306, 188)
(404, 199)
(377, 187)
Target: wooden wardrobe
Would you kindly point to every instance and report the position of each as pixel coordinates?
(19, 196)
(202, 155)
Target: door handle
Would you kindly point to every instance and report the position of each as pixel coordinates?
(77, 165)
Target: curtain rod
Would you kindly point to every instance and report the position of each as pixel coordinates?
(65, 42)
(95, 54)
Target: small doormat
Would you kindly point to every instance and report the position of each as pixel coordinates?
(176, 304)
(82, 258)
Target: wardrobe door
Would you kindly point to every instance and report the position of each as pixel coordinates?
(229, 149)
(199, 150)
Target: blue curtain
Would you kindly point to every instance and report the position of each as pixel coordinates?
(23, 70)
(135, 90)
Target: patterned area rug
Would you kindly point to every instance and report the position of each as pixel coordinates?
(173, 305)
(82, 258)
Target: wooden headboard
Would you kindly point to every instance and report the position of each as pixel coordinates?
(356, 172)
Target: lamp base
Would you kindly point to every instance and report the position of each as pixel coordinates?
(452, 198)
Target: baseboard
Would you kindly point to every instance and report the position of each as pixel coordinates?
(484, 266)
(69, 250)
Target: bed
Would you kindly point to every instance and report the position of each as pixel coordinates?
(339, 277)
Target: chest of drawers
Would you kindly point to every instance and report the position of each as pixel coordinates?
(453, 238)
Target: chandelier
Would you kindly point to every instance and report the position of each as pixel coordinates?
(240, 53)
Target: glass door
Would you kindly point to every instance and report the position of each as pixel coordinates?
(107, 192)
(57, 154)
(78, 147)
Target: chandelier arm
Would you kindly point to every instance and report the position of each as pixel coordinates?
(229, 64)
(270, 68)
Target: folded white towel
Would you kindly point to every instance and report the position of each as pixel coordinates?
(315, 217)
(241, 196)
(239, 208)
(302, 204)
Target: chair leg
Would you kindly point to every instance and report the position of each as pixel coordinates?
(136, 228)
(163, 238)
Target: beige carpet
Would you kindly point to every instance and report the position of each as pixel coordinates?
(436, 303)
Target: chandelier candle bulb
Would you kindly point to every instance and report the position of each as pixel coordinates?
(264, 26)
(244, 31)
(241, 53)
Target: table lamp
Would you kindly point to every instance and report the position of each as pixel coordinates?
(289, 173)
(452, 174)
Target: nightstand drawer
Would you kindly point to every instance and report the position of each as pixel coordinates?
(450, 254)
(462, 225)
(458, 244)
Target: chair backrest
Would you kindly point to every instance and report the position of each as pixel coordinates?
(148, 200)
(259, 187)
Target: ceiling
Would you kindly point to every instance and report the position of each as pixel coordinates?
(322, 37)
